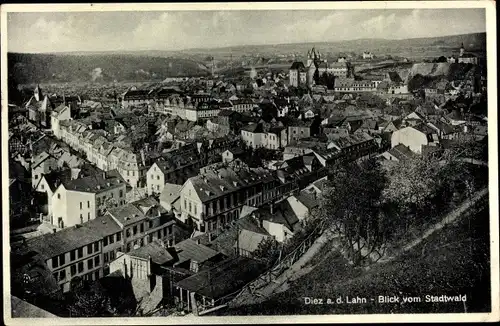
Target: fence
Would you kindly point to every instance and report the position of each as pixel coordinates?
(251, 288)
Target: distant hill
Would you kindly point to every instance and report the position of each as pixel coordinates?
(156, 65)
(475, 41)
(32, 68)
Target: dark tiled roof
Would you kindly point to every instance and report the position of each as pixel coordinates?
(401, 152)
(422, 127)
(254, 128)
(94, 184)
(53, 244)
(282, 214)
(189, 250)
(223, 279)
(297, 65)
(154, 250)
(55, 178)
(394, 77)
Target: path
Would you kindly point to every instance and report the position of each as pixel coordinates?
(294, 272)
(449, 218)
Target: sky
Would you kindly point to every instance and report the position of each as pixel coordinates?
(179, 30)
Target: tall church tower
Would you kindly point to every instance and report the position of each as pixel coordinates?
(462, 50)
(37, 93)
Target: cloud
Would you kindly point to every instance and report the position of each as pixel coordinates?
(176, 30)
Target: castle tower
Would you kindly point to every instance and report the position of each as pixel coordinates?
(462, 50)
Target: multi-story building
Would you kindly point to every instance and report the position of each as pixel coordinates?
(414, 137)
(299, 130)
(142, 222)
(61, 113)
(344, 85)
(175, 169)
(213, 198)
(76, 251)
(338, 69)
(202, 111)
(255, 135)
(43, 163)
(298, 74)
(243, 105)
(84, 199)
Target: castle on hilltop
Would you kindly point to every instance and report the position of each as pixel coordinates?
(316, 65)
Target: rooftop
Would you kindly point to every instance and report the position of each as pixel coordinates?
(93, 184)
(223, 279)
(154, 250)
(190, 250)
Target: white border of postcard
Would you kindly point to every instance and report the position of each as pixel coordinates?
(493, 162)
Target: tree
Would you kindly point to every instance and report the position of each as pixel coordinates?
(90, 300)
(350, 203)
(412, 182)
(268, 251)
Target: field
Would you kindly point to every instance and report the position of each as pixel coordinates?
(453, 261)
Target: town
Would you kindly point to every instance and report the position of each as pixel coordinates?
(176, 197)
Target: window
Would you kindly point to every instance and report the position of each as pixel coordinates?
(157, 177)
(106, 259)
(62, 260)
(127, 233)
(111, 255)
(105, 241)
(195, 212)
(73, 270)
(80, 252)
(43, 187)
(58, 196)
(72, 255)
(118, 236)
(185, 204)
(96, 246)
(62, 275)
(150, 238)
(90, 263)
(150, 224)
(89, 249)
(55, 262)
(81, 218)
(96, 261)
(88, 204)
(165, 232)
(88, 216)
(189, 207)
(121, 193)
(142, 227)
(135, 229)
(169, 229)
(55, 276)
(159, 234)
(111, 239)
(80, 267)
(157, 187)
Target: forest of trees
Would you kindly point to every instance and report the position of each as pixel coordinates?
(371, 207)
(31, 68)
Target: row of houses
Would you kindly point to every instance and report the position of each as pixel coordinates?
(86, 249)
(101, 152)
